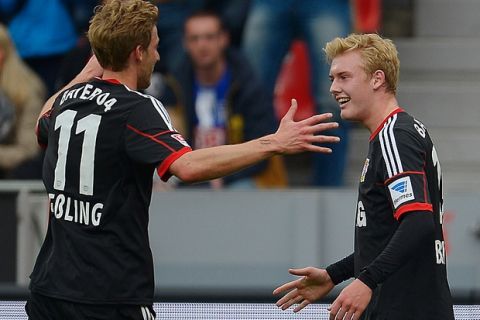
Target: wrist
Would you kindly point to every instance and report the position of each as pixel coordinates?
(366, 278)
(270, 144)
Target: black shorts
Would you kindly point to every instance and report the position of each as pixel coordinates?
(40, 307)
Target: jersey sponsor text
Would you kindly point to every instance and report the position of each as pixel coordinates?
(86, 93)
(401, 191)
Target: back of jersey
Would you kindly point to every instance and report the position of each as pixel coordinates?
(85, 151)
(103, 144)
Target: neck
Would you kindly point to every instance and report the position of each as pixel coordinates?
(126, 77)
(381, 108)
(210, 75)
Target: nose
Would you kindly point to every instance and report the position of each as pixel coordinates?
(334, 87)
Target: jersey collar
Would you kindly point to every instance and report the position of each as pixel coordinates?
(374, 134)
(113, 81)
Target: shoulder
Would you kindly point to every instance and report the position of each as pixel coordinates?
(148, 100)
(402, 128)
(149, 108)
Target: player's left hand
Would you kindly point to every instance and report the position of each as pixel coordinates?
(351, 302)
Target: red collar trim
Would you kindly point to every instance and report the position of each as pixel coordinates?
(114, 81)
(380, 127)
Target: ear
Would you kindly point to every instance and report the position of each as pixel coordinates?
(138, 53)
(378, 79)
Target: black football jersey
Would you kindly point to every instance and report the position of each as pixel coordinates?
(103, 144)
(401, 175)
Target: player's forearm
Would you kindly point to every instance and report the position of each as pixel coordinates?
(413, 231)
(341, 270)
(210, 163)
(92, 69)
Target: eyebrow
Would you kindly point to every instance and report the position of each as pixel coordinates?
(339, 74)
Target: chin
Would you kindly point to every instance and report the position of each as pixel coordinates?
(347, 116)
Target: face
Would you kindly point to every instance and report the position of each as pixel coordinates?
(351, 87)
(150, 57)
(204, 41)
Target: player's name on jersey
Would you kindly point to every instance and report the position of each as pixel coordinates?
(66, 208)
(92, 93)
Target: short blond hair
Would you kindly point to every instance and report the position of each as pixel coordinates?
(118, 27)
(378, 54)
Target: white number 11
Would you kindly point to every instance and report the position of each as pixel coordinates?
(90, 125)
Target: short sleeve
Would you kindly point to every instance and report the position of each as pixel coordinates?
(404, 156)
(151, 139)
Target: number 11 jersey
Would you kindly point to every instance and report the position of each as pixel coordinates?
(103, 143)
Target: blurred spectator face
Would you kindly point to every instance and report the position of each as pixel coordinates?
(205, 41)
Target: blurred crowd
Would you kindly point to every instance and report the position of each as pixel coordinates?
(223, 74)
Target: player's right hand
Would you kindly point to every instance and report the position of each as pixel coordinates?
(298, 136)
(314, 284)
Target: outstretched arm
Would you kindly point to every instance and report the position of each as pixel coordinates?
(291, 137)
(92, 69)
(314, 284)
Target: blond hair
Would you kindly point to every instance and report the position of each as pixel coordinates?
(17, 80)
(26, 91)
(118, 27)
(378, 54)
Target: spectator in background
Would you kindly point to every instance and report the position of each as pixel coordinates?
(26, 92)
(234, 14)
(271, 27)
(43, 32)
(216, 99)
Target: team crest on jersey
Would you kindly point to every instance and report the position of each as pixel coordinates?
(364, 170)
(401, 191)
(180, 139)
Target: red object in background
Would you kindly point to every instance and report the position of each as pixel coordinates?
(294, 82)
(367, 15)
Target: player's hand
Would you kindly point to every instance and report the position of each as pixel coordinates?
(313, 285)
(294, 137)
(351, 302)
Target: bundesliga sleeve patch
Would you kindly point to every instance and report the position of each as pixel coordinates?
(401, 191)
(180, 139)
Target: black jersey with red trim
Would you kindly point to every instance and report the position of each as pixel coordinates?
(402, 176)
(104, 142)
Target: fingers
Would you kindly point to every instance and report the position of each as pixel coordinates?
(323, 139)
(286, 287)
(291, 111)
(300, 272)
(317, 118)
(296, 298)
(334, 308)
(321, 127)
(291, 295)
(301, 305)
(342, 310)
